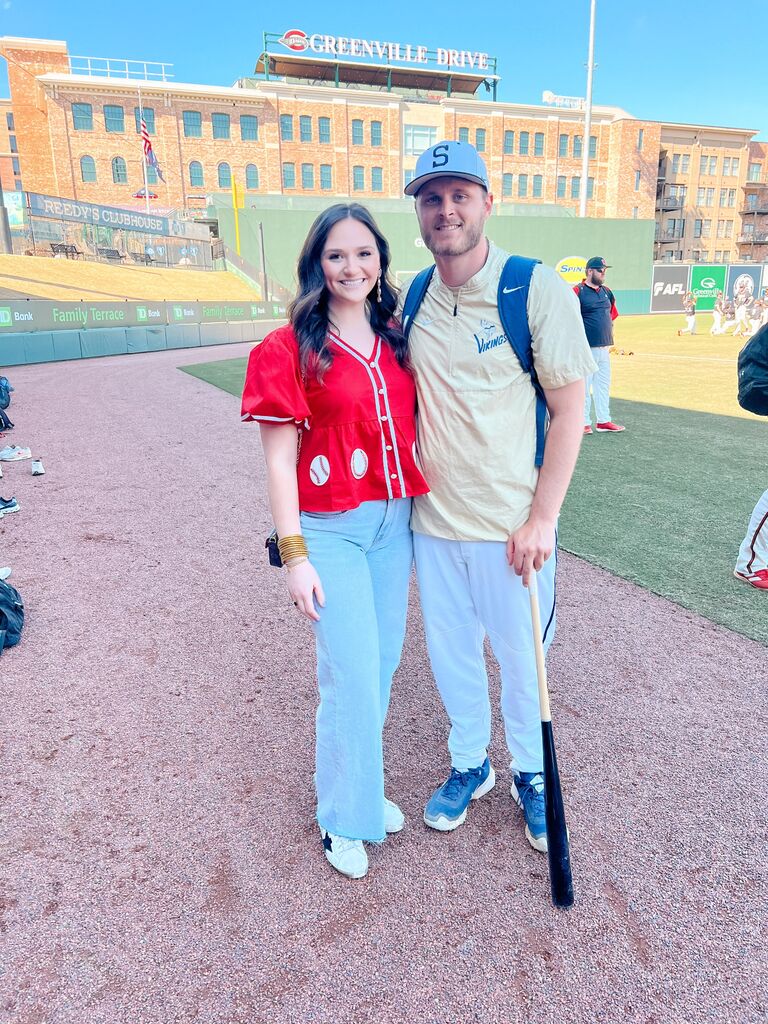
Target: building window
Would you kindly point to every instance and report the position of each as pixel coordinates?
(562, 147)
(577, 145)
(307, 176)
(17, 184)
(706, 229)
(358, 179)
(377, 179)
(640, 138)
(16, 166)
(590, 188)
(635, 211)
(575, 187)
(376, 133)
(524, 140)
(463, 134)
(357, 132)
(696, 255)
(12, 144)
(561, 183)
(149, 119)
(522, 185)
(538, 144)
(305, 128)
(289, 176)
(637, 181)
(220, 125)
(592, 147)
(418, 138)
(697, 228)
(408, 177)
(324, 130)
(114, 118)
(249, 128)
(9, 121)
(685, 163)
(480, 140)
(286, 128)
(735, 165)
(119, 171)
(152, 178)
(538, 184)
(729, 229)
(251, 176)
(509, 142)
(82, 117)
(708, 165)
(675, 163)
(196, 174)
(193, 124)
(506, 184)
(326, 177)
(87, 168)
(753, 174)
(726, 165)
(225, 176)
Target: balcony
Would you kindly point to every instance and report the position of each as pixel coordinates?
(670, 202)
(754, 238)
(761, 206)
(668, 236)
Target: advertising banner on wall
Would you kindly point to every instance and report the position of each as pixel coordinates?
(80, 212)
(572, 269)
(706, 282)
(669, 285)
(743, 281)
(44, 315)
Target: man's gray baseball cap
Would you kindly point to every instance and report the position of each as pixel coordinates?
(448, 160)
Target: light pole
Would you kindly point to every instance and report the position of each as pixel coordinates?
(587, 113)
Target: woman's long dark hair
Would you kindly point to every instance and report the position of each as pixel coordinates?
(309, 310)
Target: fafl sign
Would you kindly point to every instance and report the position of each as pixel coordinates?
(668, 288)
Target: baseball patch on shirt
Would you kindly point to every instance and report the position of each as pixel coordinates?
(358, 463)
(319, 470)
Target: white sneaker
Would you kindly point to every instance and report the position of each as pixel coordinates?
(394, 819)
(348, 856)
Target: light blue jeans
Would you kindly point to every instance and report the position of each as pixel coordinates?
(363, 558)
(599, 383)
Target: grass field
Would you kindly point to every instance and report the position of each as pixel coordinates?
(667, 503)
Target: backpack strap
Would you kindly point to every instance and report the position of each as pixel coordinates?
(512, 300)
(417, 289)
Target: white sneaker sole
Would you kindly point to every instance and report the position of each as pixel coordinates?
(443, 824)
(9, 511)
(539, 844)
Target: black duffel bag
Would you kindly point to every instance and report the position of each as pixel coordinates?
(11, 615)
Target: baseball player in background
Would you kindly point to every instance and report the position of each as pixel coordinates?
(598, 311)
(752, 563)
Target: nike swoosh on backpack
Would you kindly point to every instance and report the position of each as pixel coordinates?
(506, 291)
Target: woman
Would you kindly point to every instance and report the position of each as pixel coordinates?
(335, 401)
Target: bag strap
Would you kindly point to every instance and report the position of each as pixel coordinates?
(417, 289)
(512, 300)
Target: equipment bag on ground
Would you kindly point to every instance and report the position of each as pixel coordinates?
(753, 373)
(11, 615)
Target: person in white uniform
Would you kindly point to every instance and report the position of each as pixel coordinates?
(490, 517)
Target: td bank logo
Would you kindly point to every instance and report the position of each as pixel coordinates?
(5, 316)
(178, 312)
(141, 313)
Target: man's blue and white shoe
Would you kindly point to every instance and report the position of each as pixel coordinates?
(8, 505)
(447, 807)
(394, 819)
(528, 792)
(348, 856)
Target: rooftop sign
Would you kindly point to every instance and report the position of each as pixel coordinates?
(297, 41)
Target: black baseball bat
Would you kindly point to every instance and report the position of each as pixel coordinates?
(558, 846)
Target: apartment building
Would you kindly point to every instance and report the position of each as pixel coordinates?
(337, 127)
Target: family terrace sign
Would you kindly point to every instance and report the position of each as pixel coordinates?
(298, 41)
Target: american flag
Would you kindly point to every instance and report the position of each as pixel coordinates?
(149, 153)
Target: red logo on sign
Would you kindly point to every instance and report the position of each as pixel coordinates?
(295, 39)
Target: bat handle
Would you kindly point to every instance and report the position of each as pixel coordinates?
(538, 646)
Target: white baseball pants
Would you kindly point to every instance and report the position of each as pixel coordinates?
(753, 553)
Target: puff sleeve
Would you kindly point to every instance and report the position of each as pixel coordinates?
(273, 390)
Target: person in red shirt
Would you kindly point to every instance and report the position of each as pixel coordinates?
(336, 403)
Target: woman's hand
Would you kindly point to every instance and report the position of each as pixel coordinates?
(304, 586)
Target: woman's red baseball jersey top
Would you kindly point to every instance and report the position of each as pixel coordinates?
(359, 430)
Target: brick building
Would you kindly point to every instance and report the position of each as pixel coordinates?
(344, 129)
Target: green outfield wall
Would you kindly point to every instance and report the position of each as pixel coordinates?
(550, 233)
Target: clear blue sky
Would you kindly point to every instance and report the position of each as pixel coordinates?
(703, 63)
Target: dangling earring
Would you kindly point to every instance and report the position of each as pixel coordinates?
(378, 288)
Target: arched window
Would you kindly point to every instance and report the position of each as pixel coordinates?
(251, 176)
(225, 176)
(119, 171)
(87, 168)
(196, 174)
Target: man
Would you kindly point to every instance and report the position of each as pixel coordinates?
(598, 311)
(689, 309)
(717, 315)
(490, 517)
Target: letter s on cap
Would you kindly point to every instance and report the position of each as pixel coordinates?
(439, 156)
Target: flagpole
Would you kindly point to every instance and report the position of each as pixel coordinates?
(143, 157)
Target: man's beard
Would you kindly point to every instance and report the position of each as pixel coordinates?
(449, 245)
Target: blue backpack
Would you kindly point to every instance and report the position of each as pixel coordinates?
(11, 615)
(5, 392)
(512, 300)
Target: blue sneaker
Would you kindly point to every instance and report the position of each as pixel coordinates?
(528, 792)
(447, 807)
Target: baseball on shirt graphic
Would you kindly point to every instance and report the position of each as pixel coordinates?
(358, 463)
(319, 470)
